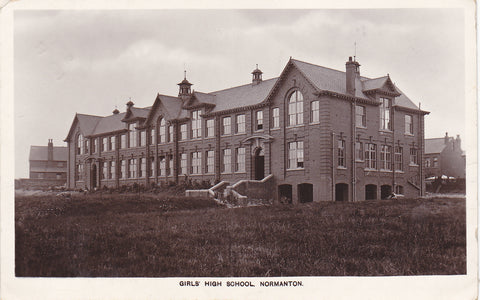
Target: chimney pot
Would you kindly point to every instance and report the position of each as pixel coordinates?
(50, 150)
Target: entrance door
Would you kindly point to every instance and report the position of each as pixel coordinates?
(259, 164)
(94, 176)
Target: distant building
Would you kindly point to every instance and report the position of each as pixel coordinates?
(444, 156)
(48, 163)
(311, 134)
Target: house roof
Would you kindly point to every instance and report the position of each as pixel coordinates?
(241, 96)
(322, 78)
(435, 145)
(41, 153)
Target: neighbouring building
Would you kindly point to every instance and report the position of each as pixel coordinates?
(444, 156)
(47, 166)
(313, 134)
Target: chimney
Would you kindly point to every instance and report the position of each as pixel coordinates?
(458, 144)
(352, 70)
(50, 150)
(446, 138)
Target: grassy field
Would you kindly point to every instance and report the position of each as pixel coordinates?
(167, 236)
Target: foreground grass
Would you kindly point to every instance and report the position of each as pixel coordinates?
(169, 237)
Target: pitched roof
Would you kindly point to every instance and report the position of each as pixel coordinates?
(435, 145)
(41, 153)
(374, 83)
(87, 123)
(241, 96)
(110, 123)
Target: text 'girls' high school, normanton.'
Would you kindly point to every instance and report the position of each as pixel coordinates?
(311, 134)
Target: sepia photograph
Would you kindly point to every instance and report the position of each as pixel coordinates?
(227, 153)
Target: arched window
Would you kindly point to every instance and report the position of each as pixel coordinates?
(162, 132)
(295, 108)
(80, 144)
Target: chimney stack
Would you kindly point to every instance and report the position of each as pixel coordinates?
(446, 138)
(352, 70)
(50, 150)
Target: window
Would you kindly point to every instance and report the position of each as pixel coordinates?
(123, 169)
(210, 161)
(104, 174)
(360, 116)
(370, 156)
(341, 153)
(315, 112)
(162, 131)
(276, 117)
(170, 133)
(240, 160)
(80, 144)
(113, 141)
(183, 164)
(386, 157)
(435, 162)
(385, 107)
(152, 136)
(359, 151)
(104, 144)
(399, 158)
(162, 166)
(295, 155)
(170, 164)
(94, 145)
(86, 144)
(210, 128)
(227, 161)
(399, 190)
(428, 163)
(111, 175)
(295, 108)
(132, 135)
(183, 132)
(123, 141)
(196, 162)
(143, 167)
(259, 120)
(79, 174)
(413, 156)
(132, 168)
(196, 124)
(143, 138)
(151, 171)
(227, 121)
(240, 124)
(408, 124)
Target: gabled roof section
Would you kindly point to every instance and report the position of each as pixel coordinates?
(381, 84)
(110, 124)
(242, 96)
(41, 153)
(86, 124)
(171, 108)
(136, 113)
(435, 145)
(327, 79)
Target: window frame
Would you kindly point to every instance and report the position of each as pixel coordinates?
(295, 102)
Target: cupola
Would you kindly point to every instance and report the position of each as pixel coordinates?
(256, 76)
(184, 89)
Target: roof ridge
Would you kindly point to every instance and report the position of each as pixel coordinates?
(89, 115)
(234, 87)
(386, 76)
(308, 63)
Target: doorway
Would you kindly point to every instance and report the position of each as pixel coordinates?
(370, 192)
(94, 176)
(259, 162)
(341, 192)
(305, 192)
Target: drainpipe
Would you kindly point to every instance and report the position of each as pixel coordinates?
(333, 166)
(421, 133)
(392, 152)
(354, 133)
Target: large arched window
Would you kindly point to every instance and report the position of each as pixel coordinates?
(295, 108)
(80, 144)
(162, 132)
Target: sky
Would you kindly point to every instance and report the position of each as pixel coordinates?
(93, 61)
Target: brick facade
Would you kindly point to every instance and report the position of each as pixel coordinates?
(300, 127)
